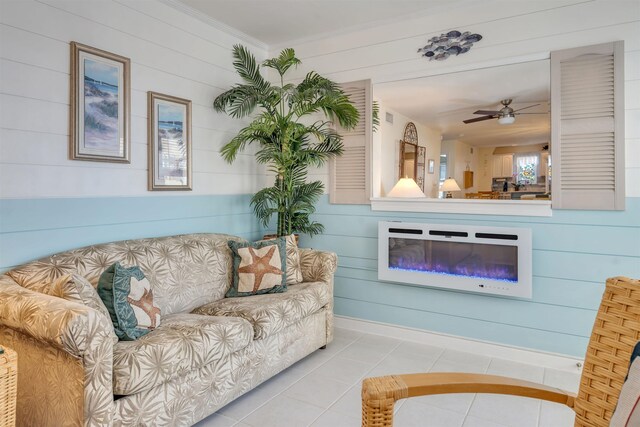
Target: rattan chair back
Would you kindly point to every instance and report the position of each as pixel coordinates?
(615, 333)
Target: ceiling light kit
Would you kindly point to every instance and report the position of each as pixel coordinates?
(506, 115)
(452, 43)
(509, 119)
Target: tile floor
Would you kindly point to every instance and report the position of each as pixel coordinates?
(323, 389)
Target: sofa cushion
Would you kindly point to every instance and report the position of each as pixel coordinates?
(184, 342)
(258, 268)
(271, 313)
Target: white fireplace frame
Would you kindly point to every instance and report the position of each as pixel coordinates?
(507, 236)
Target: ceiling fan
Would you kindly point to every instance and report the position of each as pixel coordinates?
(506, 115)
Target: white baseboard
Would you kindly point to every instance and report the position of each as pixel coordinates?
(484, 348)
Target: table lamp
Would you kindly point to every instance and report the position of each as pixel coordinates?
(406, 187)
(448, 186)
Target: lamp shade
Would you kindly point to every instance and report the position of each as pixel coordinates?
(507, 120)
(450, 184)
(406, 187)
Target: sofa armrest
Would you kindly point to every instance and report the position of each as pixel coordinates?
(66, 325)
(318, 266)
(80, 331)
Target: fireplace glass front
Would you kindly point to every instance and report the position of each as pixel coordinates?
(462, 259)
(486, 260)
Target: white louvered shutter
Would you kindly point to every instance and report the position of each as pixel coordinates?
(350, 180)
(587, 127)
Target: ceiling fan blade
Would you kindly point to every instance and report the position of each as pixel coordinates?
(479, 119)
(517, 114)
(487, 112)
(524, 108)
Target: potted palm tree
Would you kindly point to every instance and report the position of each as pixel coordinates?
(290, 136)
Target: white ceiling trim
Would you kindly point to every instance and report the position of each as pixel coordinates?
(178, 5)
(454, 69)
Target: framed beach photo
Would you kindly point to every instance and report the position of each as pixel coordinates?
(100, 105)
(169, 135)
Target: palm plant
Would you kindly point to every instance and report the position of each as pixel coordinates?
(289, 140)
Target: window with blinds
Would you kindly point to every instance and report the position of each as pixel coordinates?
(587, 127)
(350, 178)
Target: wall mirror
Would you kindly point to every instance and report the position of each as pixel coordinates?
(408, 160)
(467, 123)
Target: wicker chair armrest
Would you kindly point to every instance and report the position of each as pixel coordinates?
(452, 382)
(318, 266)
(379, 394)
(66, 325)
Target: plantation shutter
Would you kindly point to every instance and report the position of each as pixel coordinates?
(587, 127)
(350, 180)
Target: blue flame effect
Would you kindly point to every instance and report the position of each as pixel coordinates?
(455, 275)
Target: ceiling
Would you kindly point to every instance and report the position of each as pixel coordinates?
(277, 22)
(443, 102)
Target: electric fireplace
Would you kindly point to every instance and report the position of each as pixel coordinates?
(490, 260)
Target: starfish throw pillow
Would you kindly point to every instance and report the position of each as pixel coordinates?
(128, 296)
(258, 268)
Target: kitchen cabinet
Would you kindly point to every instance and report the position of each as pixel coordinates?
(497, 167)
(468, 179)
(502, 165)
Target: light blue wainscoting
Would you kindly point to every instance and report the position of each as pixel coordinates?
(573, 254)
(32, 228)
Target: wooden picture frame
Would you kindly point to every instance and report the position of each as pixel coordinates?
(169, 141)
(100, 105)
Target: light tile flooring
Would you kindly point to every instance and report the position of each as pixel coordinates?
(323, 389)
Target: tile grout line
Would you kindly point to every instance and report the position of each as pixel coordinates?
(339, 397)
(427, 370)
(539, 413)
(475, 395)
(282, 391)
(359, 380)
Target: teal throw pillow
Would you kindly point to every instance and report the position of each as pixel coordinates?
(128, 296)
(258, 268)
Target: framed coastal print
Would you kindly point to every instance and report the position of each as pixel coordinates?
(431, 166)
(100, 105)
(169, 136)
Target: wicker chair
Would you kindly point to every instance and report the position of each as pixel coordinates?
(615, 333)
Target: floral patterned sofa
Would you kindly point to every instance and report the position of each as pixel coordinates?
(207, 351)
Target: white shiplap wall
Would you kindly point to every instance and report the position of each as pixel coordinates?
(171, 52)
(573, 251)
(513, 31)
